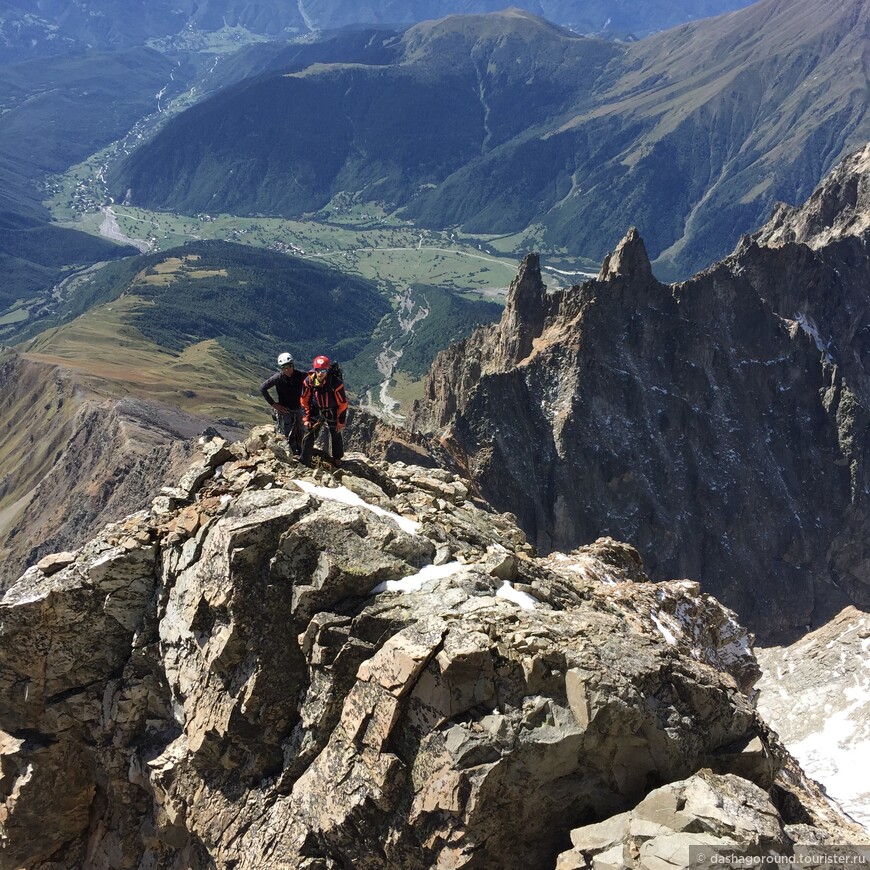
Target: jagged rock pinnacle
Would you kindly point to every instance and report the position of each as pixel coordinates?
(838, 208)
(655, 412)
(525, 309)
(630, 260)
(527, 288)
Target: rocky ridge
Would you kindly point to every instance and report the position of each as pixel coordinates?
(313, 668)
(73, 459)
(720, 425)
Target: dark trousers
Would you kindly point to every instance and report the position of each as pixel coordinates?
(290, 425)
(336, 441)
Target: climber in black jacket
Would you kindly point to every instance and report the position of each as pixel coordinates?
(288, 385)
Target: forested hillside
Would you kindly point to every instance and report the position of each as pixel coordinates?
(252, 302)
(55, 113)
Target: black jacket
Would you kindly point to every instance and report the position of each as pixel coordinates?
(288, 389)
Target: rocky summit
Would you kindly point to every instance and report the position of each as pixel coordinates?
(719, 425)
(276, 666)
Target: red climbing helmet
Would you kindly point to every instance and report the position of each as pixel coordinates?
(321, 363)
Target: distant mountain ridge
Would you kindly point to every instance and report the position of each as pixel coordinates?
(57, 26)
(498, 123)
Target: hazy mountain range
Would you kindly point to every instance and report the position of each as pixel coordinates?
(57, 26)
(503, 122)
(498, 123)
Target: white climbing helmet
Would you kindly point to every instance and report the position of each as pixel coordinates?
(285, 359)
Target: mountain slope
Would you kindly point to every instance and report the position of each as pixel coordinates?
(726, 418)
(35, 256)
(247, 300)
(781, 99)
(498, 123)
(286, 145)
(815, 693)
(55, 113)
(73, 458)
(700, 132)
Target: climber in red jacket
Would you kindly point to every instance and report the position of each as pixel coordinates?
(323, 401)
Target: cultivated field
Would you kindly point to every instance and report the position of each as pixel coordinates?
(360, 238)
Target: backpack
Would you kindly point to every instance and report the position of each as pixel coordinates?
(335, 371)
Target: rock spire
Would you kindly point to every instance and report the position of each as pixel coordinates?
(721, 425)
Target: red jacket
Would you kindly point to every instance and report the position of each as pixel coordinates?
(328, 397)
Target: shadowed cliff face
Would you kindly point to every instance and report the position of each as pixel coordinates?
(719, 425)
(281, 667)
